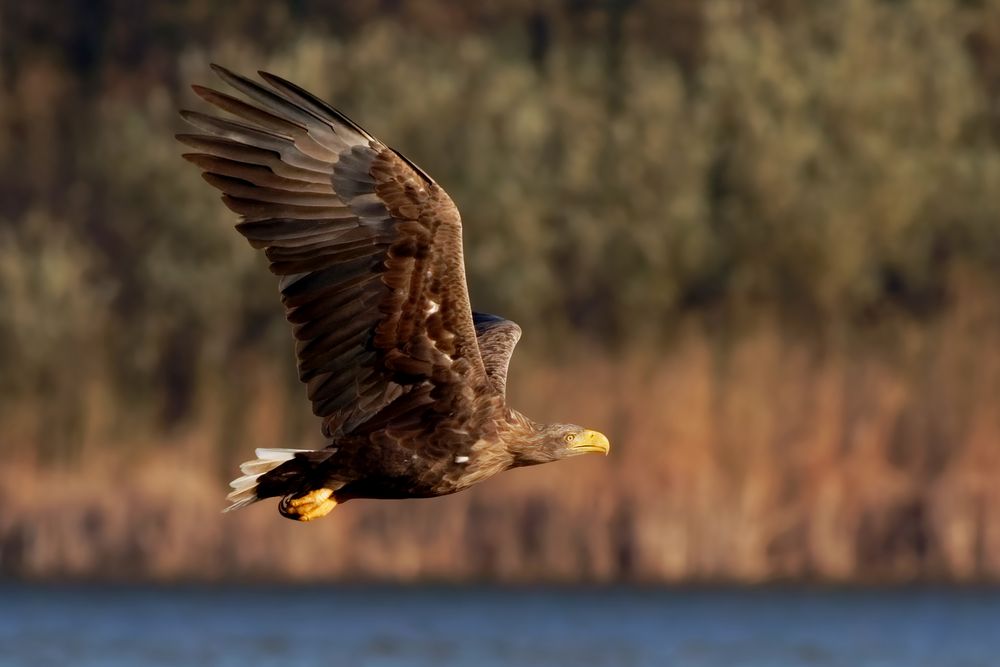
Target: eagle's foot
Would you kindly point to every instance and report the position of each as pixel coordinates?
(313, 505)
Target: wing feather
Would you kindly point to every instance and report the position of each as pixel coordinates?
(367, 246)
(497, 338)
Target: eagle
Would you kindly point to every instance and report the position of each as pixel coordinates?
(409, 382)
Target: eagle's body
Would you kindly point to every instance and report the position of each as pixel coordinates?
(408, 380)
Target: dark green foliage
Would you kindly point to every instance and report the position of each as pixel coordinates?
(620, 167)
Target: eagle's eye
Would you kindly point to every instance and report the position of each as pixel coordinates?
(570, 437)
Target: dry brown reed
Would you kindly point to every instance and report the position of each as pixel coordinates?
(768, 460)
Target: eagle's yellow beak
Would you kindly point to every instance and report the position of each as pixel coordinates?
(591, 441)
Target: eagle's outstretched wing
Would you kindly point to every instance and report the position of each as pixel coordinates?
(497, 338)
(367, 246)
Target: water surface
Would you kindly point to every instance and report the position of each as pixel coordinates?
(486, 627)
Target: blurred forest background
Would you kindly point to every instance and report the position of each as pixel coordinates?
(756, 242)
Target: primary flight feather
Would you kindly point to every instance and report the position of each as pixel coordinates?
(409, 382)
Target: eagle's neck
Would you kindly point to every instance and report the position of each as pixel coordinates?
(521, 423)
(526, 440)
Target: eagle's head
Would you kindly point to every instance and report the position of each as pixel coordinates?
(553, 442)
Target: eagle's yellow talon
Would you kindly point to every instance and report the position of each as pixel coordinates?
(313, 505)
(313, 497)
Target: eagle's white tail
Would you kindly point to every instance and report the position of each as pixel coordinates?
(245, 487)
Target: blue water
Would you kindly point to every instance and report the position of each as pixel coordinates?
(486, 627)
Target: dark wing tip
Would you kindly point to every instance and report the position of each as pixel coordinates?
(293, 91)
(189, 139)
(204, 92)
(237, 81)
(483, 321)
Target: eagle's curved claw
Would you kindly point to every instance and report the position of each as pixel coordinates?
(313, 505)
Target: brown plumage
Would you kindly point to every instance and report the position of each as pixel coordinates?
(409, 382)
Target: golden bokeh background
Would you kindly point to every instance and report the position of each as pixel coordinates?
(756, 242)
